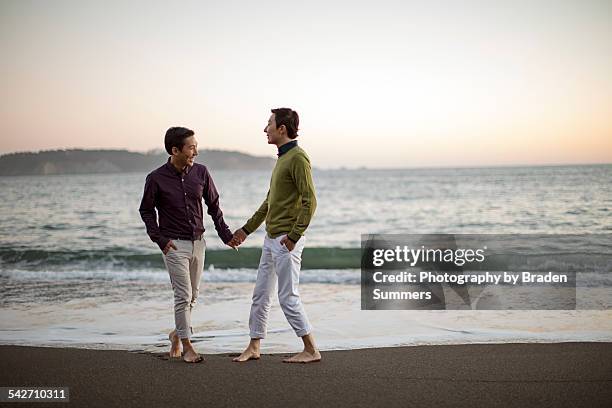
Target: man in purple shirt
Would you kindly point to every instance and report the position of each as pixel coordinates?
(176, 190)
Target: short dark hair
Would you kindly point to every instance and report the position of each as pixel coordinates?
(175, 137)
(289, 118)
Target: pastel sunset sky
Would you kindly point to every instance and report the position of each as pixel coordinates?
(376, 84)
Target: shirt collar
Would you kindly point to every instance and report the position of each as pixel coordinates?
(173, 169)
(286, 147)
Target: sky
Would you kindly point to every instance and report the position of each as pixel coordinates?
(376, 84)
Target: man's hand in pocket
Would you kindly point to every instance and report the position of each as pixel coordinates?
(289, 244)
(169, 245)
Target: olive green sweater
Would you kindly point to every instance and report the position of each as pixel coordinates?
(291, 202)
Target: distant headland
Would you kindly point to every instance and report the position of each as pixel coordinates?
(80, 161)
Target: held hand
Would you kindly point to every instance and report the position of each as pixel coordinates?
(289, 244)
(238, 238)
(233, 243)
(169, 245)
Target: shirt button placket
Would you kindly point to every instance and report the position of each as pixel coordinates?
(187, 208)
(184, 196)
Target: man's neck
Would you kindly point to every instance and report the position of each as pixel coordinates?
(178, 166)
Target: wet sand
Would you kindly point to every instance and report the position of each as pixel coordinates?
(491, 375)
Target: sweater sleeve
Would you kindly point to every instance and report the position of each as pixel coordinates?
(258, 217)
(301, 172)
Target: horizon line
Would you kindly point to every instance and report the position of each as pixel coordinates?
(343, 167)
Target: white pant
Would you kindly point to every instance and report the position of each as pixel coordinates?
(276, 260)
(185, 265)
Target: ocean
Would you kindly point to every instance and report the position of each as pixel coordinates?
(77, 268)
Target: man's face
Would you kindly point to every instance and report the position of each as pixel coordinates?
(274, 135)
(189, 152)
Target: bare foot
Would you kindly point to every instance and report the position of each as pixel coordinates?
(192, 357)
(248, 354)
(304, 357)
(175, 348)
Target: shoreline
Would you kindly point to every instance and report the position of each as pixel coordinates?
(488, 375)
(138, 315)
(202, 349)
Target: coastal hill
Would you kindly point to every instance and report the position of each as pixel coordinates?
(79, 161)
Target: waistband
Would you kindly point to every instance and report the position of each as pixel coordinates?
(183, 238)
(276, 235)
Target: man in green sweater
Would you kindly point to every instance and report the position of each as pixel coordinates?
(287, 210)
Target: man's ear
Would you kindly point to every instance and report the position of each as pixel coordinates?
(175, 150)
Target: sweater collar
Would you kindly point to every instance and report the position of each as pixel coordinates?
(286, 147)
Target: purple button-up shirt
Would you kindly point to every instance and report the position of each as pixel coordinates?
(178, 199)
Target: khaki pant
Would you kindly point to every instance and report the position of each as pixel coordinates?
(185, 265)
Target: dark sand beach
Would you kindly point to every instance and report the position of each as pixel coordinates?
(496, 375)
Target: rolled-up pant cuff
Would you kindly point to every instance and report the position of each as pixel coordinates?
(303, 332)
(257, 335)
(184, 334)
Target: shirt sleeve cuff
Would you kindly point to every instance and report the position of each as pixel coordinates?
(246, 231)
(294, 237)
(227, 236)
